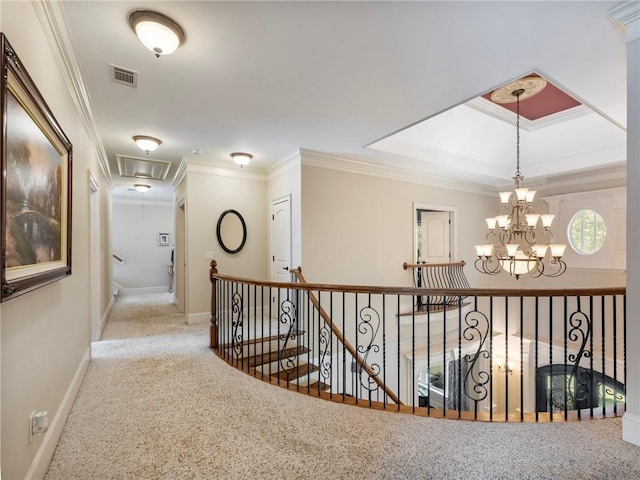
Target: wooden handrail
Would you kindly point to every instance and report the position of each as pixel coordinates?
(336, 331)
(406, 265)
(478, 292)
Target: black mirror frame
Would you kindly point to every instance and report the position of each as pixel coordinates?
(219, 234)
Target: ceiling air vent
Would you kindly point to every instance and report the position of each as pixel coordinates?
(142, 167)
(124, 76)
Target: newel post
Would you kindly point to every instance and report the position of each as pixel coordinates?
(213, 327)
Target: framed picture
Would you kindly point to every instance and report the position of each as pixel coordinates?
(164, 239)
(35, 201)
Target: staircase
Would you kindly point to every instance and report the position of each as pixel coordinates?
(283, 357)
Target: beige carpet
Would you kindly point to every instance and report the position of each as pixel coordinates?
(157, 403)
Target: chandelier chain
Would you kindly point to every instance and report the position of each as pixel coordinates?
(517, 94)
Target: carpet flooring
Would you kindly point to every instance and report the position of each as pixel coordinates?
(156, 403)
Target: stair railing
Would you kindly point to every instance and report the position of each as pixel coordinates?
(297, 272)
(509, 355)
(437, 275)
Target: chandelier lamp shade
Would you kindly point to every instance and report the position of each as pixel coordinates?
(156, 31)
(142, 187)
(148, 144)
(241, 159)
(518, 238)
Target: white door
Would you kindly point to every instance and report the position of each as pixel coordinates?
(281, 239)
(436, 237)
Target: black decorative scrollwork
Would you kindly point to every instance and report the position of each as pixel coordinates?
(325, 353)
(289, 319)
(236, 323)
(579, 333)
(368, 326)
(475, 379)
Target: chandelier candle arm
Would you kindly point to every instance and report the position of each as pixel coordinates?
(519, 246)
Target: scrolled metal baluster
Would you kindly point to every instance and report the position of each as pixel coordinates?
(287, 355)
(325, 355)
(236, 323)
(367, 316)
(475, 381)
(579, 333)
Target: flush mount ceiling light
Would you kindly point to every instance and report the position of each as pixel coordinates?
(517, 244)
(156, 31)
(241, 159)
(148, 144)
(142, 187)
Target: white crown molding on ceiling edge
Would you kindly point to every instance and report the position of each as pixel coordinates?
(213, 167)
(628, 15)
(498, 112)
(56, 29)
(332, 162)
(610, 177)
(288, 162)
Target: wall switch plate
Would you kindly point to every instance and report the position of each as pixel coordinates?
(208, 255)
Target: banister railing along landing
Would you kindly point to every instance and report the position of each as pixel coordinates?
(507, 355)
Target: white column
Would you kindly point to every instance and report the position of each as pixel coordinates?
(628, 14)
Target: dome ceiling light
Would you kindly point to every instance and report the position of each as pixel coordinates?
(156, 31)
(241, 158)
(148, 144)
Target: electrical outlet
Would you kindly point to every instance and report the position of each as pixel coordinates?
(38, 423)
(31, 417)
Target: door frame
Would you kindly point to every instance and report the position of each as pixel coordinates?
(452, 226)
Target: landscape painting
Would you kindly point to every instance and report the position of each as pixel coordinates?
(36, 185)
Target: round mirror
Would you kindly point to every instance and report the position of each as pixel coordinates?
(231, 231)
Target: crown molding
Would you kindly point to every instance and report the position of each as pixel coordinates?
(498, 112)
(56, 30)
(607, 178)
(221, 169)
(628, 15)
(288, 162)
(332, 162)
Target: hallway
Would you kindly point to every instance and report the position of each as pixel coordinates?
(157, 403)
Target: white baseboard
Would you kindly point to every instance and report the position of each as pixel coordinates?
(105, 317)
(43, 457)
(631, 428)
(198, 318)
(143, 290)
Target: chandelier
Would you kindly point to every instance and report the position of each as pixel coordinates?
(519, 240)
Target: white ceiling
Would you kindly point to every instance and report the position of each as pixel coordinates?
(336, 77)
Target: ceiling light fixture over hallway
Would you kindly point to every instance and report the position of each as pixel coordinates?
(148, 144)
(141, 187)
(241, 159)
(156, 31)
(515, 244)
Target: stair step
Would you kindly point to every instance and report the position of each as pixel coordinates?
(296, 372)
(263, 358)
(253, 341)
(323, 386)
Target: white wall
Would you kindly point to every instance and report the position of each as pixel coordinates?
(135, 238)
(208, 195)
(45, 334)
